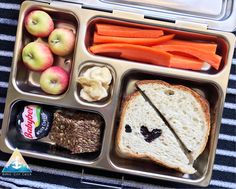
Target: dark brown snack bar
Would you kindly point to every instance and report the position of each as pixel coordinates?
(78, 132)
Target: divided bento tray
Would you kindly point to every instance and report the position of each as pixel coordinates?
(24, 89)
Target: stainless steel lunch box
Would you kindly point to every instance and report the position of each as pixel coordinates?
(178, 16)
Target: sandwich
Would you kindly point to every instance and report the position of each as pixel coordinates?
(143, 133)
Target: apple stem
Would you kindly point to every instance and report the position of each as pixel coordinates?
(53, 81)
(30, 55)
(34, 22)
(55, 41)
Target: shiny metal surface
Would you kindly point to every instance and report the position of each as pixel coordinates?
(217, 14)
(24, 88)
(204, 8)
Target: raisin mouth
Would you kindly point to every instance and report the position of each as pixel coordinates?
(150, 136)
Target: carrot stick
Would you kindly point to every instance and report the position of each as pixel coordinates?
(98, 39)
(211, 58)
(123, 31)
(209, 47)
(182, 54)
(186, 63)
(133, 52)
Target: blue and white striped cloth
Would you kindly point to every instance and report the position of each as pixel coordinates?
(54, 175)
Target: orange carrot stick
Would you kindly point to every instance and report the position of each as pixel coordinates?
(133, 52)
(211, 58)
(124, 31)
(182, 54)
(183, 62)
(209, 47)
(98, 39)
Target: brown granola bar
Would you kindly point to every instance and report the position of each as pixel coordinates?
(77, 132)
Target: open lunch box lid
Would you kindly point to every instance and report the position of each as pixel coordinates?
(213, 14)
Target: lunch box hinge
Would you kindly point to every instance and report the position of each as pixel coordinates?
(159, 19)
(191, 24)
(56, 2)
(44, 1)
(95, 8)
(124, 14)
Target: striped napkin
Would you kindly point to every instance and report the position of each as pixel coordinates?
(61, 176)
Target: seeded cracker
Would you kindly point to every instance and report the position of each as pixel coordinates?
(77, 132)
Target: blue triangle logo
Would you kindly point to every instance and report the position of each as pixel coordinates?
(16, 164)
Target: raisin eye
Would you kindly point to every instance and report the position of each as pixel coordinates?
(128, 129)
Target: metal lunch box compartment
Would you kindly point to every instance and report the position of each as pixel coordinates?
(87, 65)
(185, 34)
(28, 81)
(44, 146)
(204, 87)
(81, 17)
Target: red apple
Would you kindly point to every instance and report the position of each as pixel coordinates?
(39, 23)
(37, 56)
(54, 80)
(61, 41)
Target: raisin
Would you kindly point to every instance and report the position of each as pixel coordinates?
(128, 129)
(144, 131)
(150, 136)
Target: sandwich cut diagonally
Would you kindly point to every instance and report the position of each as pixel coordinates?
(143, 134)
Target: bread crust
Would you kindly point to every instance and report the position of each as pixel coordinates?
(202, 101)
(125, 104)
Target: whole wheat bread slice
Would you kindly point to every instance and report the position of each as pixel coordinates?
(186, 111)
(138, 116)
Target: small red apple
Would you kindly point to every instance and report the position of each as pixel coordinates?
(37, 56)
(61, 41)
(39, 23)
(54, 80)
